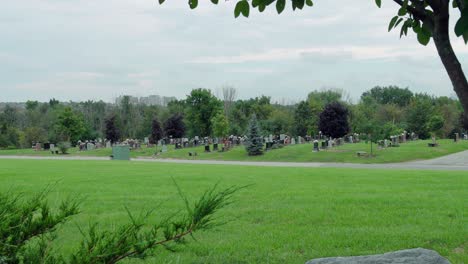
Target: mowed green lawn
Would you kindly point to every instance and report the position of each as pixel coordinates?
(287, 215)
(417, 150)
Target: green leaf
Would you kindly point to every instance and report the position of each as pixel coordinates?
(280, 5)
(309, 3)
(465, 37)
(193, 4)
(379, 3)
(392, 23)
(242, 7)
(298, 4)
(261, 8)
(161, 1)
(462, 24)
(402, 11)
(215, 1)
(424, 36)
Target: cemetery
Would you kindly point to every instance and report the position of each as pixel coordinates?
(384, 151)
(145, 132)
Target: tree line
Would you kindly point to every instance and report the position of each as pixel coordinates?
(381, 111)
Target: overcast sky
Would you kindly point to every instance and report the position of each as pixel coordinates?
(100, 49)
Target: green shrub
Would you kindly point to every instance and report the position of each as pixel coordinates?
(27, 230)
(63, 147)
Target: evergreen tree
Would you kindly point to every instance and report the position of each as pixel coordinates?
(112, 132)
(334, 120)
(156, 131)
(254, 144)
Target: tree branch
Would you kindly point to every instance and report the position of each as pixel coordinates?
(416, 12)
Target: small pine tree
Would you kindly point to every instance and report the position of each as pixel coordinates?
(156, 131)
(254, 144)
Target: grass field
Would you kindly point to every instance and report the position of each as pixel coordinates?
(287, 215)
(417, 150)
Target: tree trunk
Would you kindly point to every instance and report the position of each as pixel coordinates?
(447, 55)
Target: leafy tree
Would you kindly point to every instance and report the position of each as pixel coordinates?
(220, 125)
(334, 120)
(202, 106)
(435, 124)
(390, 95)
(254, 143)
(302, 118)
(156, 131)
(53, 103)
(321, 98)
(279, 122)
(70, 125)
(244, 109)
(419, 114)
(174, 126)
(33, 134)
(427, 19)
(112, 132)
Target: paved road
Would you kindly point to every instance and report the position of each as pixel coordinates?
(457, 161)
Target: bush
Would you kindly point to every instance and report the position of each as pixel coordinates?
(63, 147)
(27, 230)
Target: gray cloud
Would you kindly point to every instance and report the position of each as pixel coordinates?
(86, 49)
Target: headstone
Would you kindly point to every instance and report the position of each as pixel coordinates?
(330, 143)
(293, 141)
(457, 137)
(108, 144)
(325, 144)
(351, 139)
(316, 146)
(164, 148)
(90, 146)
(282, 137)
(159, 143)
(38, 147)
(407, 256)
(386, 143)
(146, 140)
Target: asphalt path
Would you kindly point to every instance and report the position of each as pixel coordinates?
(457, 161)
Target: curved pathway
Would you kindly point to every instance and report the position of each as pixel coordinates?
(457, 161)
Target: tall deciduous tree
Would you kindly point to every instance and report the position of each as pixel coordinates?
(334, 120)
(202, 106)
(70, 125)
(302, 118)
(156, 131)
(112, 132)
(220, 125)
(427, 18)
(174, 126)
